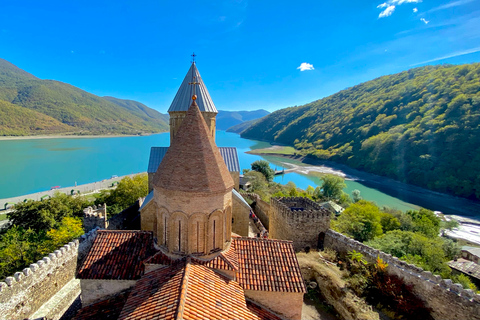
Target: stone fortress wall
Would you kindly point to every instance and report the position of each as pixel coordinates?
(447, 300)
(299, 220)
(46, 288)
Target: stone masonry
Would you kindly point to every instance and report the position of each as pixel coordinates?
(94, 217)
(300, 220)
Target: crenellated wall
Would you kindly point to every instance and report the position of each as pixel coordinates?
(446, 299)
(27, 291)
(299, 220)
(94, 217)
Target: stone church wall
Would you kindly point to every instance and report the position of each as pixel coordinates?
(446, 299)
(240, 215)
(27, 291)
(299, 220)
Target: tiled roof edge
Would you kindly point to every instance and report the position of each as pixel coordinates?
(183, 292)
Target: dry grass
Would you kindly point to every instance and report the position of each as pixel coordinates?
(321, 268)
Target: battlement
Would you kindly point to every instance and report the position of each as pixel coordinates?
(94, 217)
(289, 216)
(297, 209)
(448, 300)
(25, 292)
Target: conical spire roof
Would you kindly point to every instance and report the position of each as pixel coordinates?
(181, 102)
(193, 162)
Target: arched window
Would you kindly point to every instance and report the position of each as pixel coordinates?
(215, 230)
(177, 233)
(197, 226)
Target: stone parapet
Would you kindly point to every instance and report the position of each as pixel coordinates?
(446, 299)
(27, 291)
(290, 216)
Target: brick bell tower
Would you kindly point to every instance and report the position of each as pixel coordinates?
(192, 192)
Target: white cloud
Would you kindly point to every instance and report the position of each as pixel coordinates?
(391, 4)
(305, 66)
(387, 12)
(424, 21)
(415, 10)
(452, 55)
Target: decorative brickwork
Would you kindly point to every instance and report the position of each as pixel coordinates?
(289, 218)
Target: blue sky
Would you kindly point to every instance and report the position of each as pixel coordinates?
(250, 53)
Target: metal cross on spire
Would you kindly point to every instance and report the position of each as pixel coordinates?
(193, 57)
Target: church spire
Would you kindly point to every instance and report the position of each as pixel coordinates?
(193, 162)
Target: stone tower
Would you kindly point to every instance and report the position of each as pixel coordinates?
(192, 85)
(192, 197)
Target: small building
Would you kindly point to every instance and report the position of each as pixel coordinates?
(332, 207)
(468, 268)
(471, 253)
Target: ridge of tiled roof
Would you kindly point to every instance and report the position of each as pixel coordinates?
(268, 265)
(190, 292)
(182, 99)
(193, 162)
(117, 255)
(155, 295)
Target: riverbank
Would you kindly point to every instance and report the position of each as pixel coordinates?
(422, 197)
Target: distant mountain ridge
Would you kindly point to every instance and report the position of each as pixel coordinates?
(420, 126)
(227, 119)
(31, 106)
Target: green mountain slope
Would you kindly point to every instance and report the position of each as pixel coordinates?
(242, 126)
(421, 126)
(80, 111)
(227, 119)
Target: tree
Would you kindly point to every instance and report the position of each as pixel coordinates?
(356, 195)
(127, 192)
(263, 167)
(47, 213)
(361, 221)
(332, 187)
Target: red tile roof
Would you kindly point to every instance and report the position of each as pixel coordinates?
(162, 258)
(261, 312)
(226, 260)
(189, 292)
(109, 309)
(117, 255)
(268, 265)
(156, 295)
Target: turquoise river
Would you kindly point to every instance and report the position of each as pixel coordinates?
(33, 165)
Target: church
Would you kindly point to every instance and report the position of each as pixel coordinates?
(192, 258)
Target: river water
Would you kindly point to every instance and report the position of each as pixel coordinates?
(34, 165)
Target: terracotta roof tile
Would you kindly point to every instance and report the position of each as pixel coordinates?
(109, 309)
(155, 295)
(261, 312)
(189, 292)
(210, 295)
(162, 258)
(193, 162)
(117, 255)
(226, 260)
(268, 265)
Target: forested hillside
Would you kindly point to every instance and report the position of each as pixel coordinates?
(75, 111)
(421, 126)
(227, 119)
